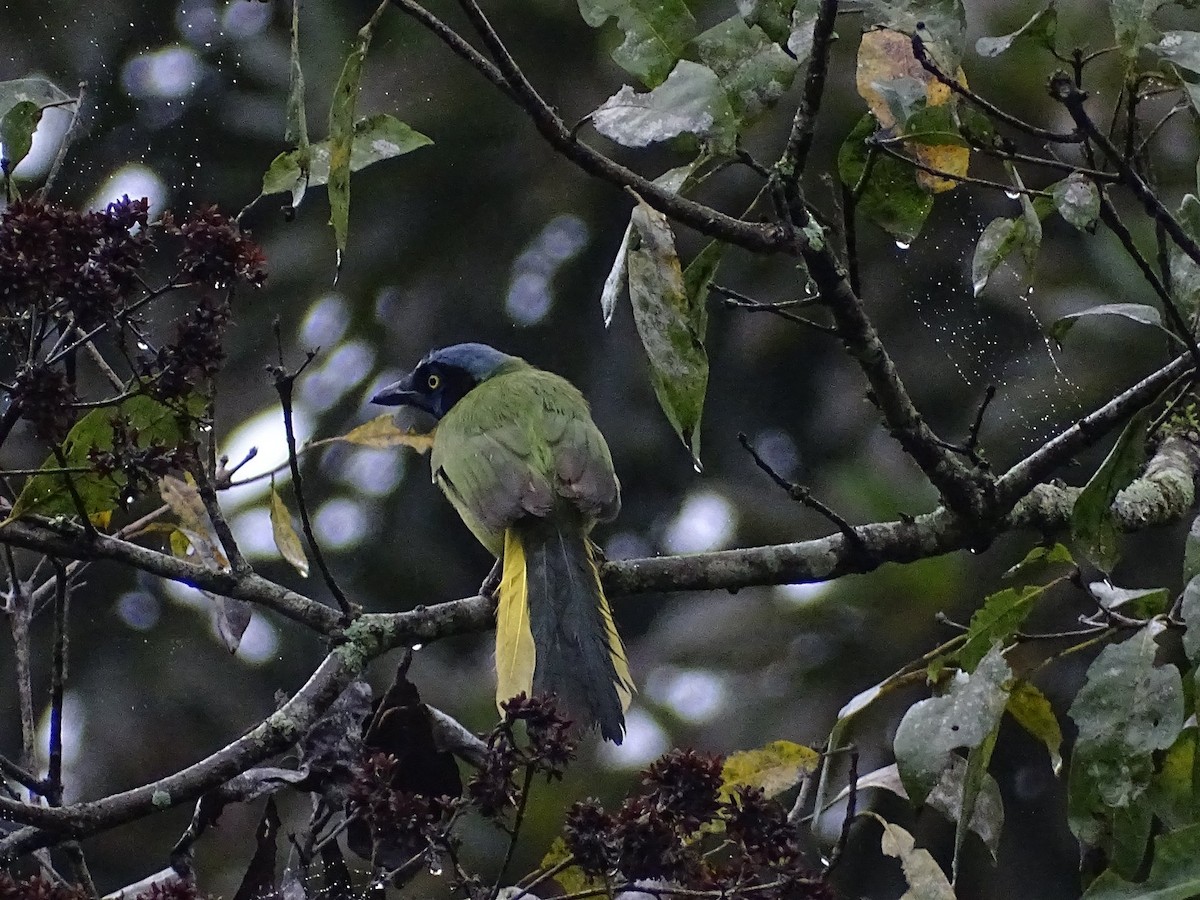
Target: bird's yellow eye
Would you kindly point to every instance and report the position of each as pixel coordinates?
(434, 381)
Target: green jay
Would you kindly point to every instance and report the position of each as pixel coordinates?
(517, 453)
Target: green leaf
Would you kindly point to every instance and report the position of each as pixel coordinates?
(1127, 709)
(1132, 25)
(674, 180)
(891, 196)
(932, 126)
(999, 239)
(16, 131)
(751, 67)
(1039, 30)
(1173, 789)
(376, 138)
(690, 101)
(775, 768)
(286, 540)
(772, 16)
(1093, 523)
(932, 729)
(804, 22)
(1078, 201)
(656, 32)
(670, 325)
(38, 91)
(342, 131)
(1135, 312)
(962, 786)
(996, 621)
(1033, 712)
(1040, 563)
(297, 122)
(1143, 603)
(571, 879)
(1185, 272)
(1190, 609)
(922, 874)
(1180, 47)
(1174, 872)
(700, 272)
(155, 422)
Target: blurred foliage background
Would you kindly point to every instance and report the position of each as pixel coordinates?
(489, 236)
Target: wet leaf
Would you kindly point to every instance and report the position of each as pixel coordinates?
(259, 879)
(1093, 522)
(1078, 201)
(233, 618)
(942, 24)
(890, 196)
(999, 239)
(656, 32)
(1135, 312)
(1173, 794)
(1133, 25)
(922, 874)
(155, 422)
(804, 23)
(1190, 610)
(671, 328)
(376, 138)
(690, 101)
(342, 127)
(287, 541)
(959, 787)
(932, 729)
(1033, 712)
(1180, 47)
(775, 767)
(297, 123)
(16, 131)
(1142, 603)
(1039, 30)
(34, 90)
(1127, 709)
(751, 67)
(1185, 272)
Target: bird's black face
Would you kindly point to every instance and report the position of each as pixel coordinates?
(432, 386)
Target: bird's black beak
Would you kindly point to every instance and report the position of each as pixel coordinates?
(399, 393)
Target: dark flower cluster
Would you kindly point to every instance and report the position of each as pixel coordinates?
(405, 822)
(37, 888)
(171, 890)
(215, 251)
(195, 354)
(662, 833)
(44, 395)
(548, 747)
(52, 257)
(140, 466)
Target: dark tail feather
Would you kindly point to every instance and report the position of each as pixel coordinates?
(579, 655)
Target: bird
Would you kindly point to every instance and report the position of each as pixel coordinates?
(517, 454)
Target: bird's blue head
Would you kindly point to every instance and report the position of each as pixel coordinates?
(443, 378)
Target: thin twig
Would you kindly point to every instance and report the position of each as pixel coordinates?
(804, 123)
(58, 680)
(736, 300)
(803, 495)
(284, 384)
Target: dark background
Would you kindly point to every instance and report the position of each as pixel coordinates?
(487, 235)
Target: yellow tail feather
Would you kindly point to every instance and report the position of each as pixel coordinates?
(616, 648)
(516, 654)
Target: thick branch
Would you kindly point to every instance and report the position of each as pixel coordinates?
(249, 587)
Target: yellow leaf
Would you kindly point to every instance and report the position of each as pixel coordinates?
(886, 61)
(286, 538)
(382, 431)
(101, 519)
(774, 768)
(179, 543)
(571, 879)
(185, 501)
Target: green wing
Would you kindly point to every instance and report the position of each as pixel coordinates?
(516, 446)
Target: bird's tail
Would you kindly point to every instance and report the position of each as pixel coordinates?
(554, 628)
